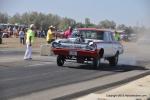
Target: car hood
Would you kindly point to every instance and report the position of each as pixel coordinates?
(75, 41)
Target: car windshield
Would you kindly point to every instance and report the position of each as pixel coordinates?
(89, 34)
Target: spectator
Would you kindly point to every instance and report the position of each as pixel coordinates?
(43, 33)
(68, 32)
(29, 40)
(9, 31)
(117, 36)
(38, 33)
(22, 36)
(15, 31)
(50, 35)
(61, 34)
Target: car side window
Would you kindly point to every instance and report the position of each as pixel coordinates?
(93, 35)
(106, 36)
(88, 34)
(112, 36)
(100, 35)
(110, 39)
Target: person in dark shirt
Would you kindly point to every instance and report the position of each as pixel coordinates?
(22, 36)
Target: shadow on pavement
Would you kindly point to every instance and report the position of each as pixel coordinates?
(107, 67)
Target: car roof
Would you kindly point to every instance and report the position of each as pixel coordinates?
(93, 29)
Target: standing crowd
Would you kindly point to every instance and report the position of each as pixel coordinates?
(30, 33)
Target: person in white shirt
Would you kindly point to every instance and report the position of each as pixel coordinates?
(15, 31)
(30, 34)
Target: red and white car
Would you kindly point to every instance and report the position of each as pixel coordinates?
(88, 44)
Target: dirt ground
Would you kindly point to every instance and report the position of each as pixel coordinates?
(141, 51)
(15, 43)
(129, 47)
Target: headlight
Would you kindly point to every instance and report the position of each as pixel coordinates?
(91, 46)
(56, 45)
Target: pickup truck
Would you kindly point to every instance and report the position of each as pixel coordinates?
(88, 44)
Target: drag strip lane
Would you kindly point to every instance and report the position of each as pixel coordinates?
(31, 79)
(27, 77)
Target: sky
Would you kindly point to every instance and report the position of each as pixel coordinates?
(128, 12)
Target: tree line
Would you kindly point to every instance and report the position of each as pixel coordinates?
(43, 21)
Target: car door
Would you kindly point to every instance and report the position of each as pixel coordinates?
(114, 44)
(108, 45)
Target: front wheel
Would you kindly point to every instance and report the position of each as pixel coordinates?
(60, 60)
(113, 61)
(96, 62)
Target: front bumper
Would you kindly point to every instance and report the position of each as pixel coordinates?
(75, 52)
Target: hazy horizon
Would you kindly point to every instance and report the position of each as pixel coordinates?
(128, 12)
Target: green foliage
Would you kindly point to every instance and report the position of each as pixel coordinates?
(66, 22)
(87, 22)
(43, 21)
(107, 24)
(3, 18)
(128, 30)
(122, 27)
(79, 24)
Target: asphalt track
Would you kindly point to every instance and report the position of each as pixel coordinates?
(19, 77)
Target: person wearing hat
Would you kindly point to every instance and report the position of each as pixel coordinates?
(50, 36)
(29, 40)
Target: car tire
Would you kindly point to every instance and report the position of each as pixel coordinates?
(113, 61)
(60, 60)
(96, 62)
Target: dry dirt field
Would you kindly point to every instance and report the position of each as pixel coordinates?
(15, 43)
(141, 51)
(129, 47)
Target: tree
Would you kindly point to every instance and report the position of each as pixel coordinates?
(15, 19)
(80, 25)
(66, 22)
(122, 27)
(3, 17)
(107, 24)
(25, 18)
(87, 22)
(128, 30)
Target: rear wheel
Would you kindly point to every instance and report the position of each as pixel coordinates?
(113, 61)
(60, 60)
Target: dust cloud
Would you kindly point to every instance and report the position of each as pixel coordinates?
(142, 46)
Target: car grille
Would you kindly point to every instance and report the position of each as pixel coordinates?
(73, 46)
